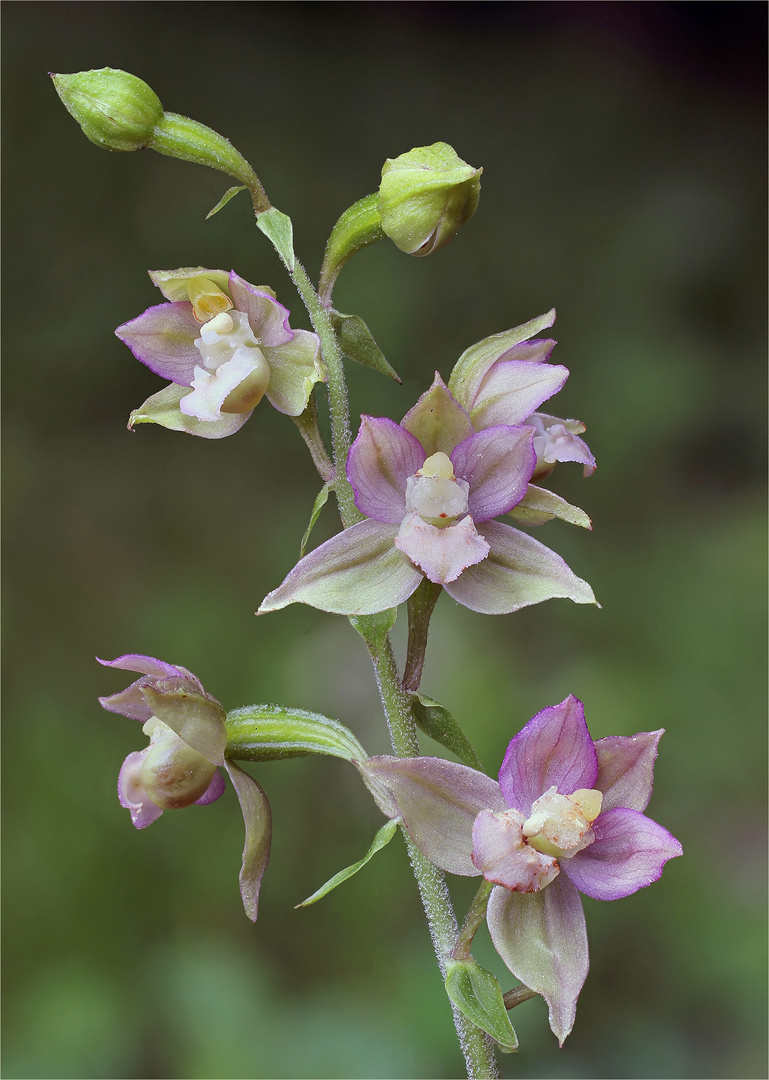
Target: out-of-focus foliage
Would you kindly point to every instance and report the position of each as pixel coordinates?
(622, 147)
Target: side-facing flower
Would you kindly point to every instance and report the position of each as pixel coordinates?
(179, 768)
(224, 344)
(505, 378)
(430, 489)
(566, 817)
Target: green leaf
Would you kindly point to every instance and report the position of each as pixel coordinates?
(320, 501)
(540, 505)
(229, 193)
(277, 227)
(437, 722)
(272, 732)
(356, 341)
(382, 838)
(375, 628)
(478, 995)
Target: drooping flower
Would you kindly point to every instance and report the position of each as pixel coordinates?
(224, 344)
(505, 378)
(430, 489)
(179, 768)
(565, 818)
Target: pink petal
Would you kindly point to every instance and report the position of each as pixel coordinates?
(382, 458)
(268, 318)
(214, 792)
(629, 852)
(497, 464)
(132, 795)
(553, 750)
(442, 554)
(513, 389)
(163, 338)
(626, 769)
(502, 855)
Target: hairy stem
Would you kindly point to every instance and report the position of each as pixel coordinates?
(307, 424)
(473, 920)
(420, 605)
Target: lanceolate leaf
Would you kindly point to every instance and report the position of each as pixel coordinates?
(478, 995)
(356, 341)
(229, 193)
(272, 732)
(278, 228)
(320, 501)
(375, 628)
(437, 722)
(382, 838)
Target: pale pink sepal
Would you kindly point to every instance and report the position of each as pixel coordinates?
(626, 769)
(517, 572)
(257, 817)
(442, 554)
(130, 702)
(163, 337)
(542, 939)
(513, 389)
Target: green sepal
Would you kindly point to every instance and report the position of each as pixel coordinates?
(279, 230)
(382, 839)
(229, 194)
(478, 996)
(359, 226)
(437, 722)
(356, 341)
(320, 501)
(273, 732)
(375, 628)
(540, 505)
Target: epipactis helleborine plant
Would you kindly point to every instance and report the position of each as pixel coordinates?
(224, 344)
(565, 818)
(186, 729)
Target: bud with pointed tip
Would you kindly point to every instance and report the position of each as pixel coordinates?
(426, 196)
(115, 109)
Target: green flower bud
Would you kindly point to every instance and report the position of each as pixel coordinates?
(426, 196)
(115, 109)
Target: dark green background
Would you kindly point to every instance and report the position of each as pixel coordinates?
(623, 155)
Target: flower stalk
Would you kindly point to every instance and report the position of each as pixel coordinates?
(421, 605)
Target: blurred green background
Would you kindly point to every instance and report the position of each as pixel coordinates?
(623, 149)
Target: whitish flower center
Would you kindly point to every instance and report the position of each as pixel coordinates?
(234, 373)
(435, 494)
(560, 825)
(172, 774)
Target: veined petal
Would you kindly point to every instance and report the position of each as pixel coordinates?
(163, 408)
(553, 750)
(497, 464)
(474, 362)
(294, 369)
(357, 572)
(629, 852)
(542, 939)
(382, 458)
(513, 389)
(268, 318)
(517, 572)
(437, 420)
(258, 821)
(626, 769)
(439, 801)
(442, 554)
(163, 338)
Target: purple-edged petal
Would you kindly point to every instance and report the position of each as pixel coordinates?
(438, 801)
(497, 464)
(163, 338)
(130, 702)
(381, 460)
(149, 665)
(442, 554)
(214, 792)
(294, 369)
(131, 793)
(163, 408)
(268, 318)
(256, 851)
(194, 715)
(503, 857)
(517, 572)
(542, 939)
(629, 852)
(357, 572)
(553, 750)
(437, 420)
(513, 389)
(626, 769)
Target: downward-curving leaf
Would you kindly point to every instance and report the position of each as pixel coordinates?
(437, 722)
(478, 995)
(382, 838)
(229, 194)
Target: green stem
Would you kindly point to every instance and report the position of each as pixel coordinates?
(307, 424)
(473, 920)
(420, 605)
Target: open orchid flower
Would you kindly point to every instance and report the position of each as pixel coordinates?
(505, 378)
(186, 728)
(430, 489)
(566, 817)
(224, 344)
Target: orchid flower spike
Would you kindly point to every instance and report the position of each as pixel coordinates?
(565, 818)
(224, 344)
(179, 768)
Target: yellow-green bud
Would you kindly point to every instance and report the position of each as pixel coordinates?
(426, 196)
(115, 109)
